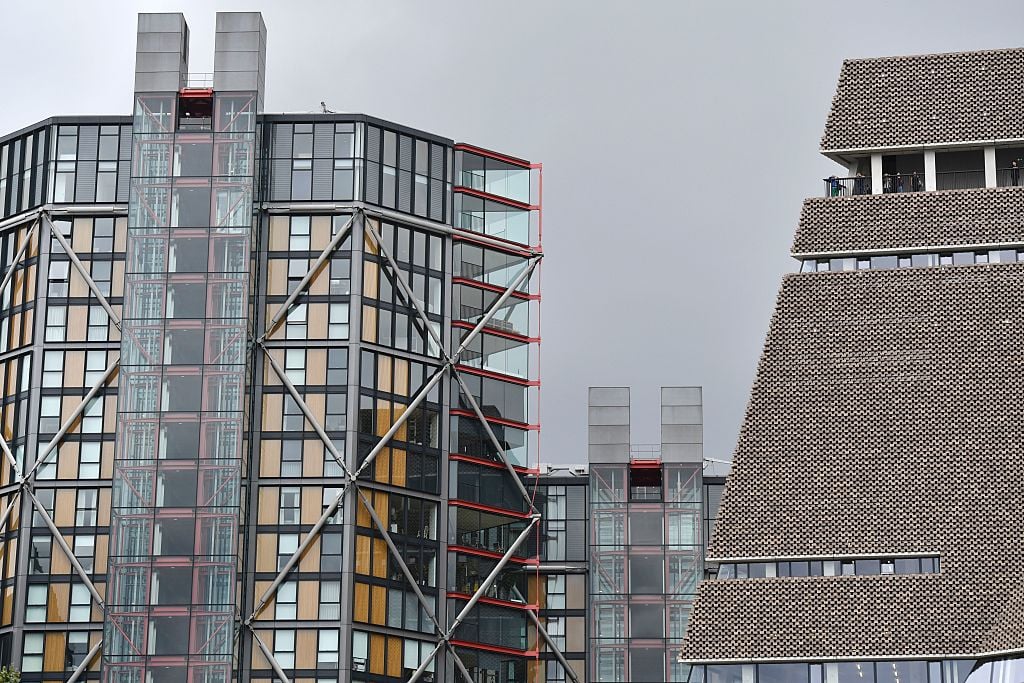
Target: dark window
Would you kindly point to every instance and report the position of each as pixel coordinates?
(782, 673)
(868, 567)
(647, 573)
(645, 483)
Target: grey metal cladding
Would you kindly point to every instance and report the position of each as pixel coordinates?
(88, 142)
(162, 22)
(372, 182)
(575, 539)
(608, 396)
(576, 502)
(280, 179)
(912, 219)
(373, 143)
(239, 22)
(682, 433)
(236, 60)
(682, 396)
(237, 81)
(124, 152)
(323, 178)
(239, 42)
(405, 191)
(682, 452)
(323, 140)
(437, 161)
(886, 416)
(405, 152)
(608, 453)
(682, 415)
(607, 415)
(162, 81)
(123, 180)
(436, 200)
(85, 181)
(282, 140)
(157, 61)
(160, 42)
(927, 99)
(609, 434)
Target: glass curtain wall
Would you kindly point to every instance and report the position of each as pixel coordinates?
(645, 563)
(178, 465)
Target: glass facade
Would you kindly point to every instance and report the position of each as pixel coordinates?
(891, 671)
(181, 418)
(646, 558)
(292, 482)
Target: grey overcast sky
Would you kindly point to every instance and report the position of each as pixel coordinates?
(678, 140)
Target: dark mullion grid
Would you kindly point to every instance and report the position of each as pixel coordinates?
(432, 148)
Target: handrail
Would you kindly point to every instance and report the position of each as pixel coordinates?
(847, 187)
(964, 179)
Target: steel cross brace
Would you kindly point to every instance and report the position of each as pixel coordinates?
(412, 582)
(8, 276)
(407, 292)
(382, 443)
(446, 636)
(330, 510)
(25, 482)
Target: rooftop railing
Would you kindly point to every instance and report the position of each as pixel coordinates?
(902, 182)
(959, 180)
(1010, 177)
(847, 187)
(199, 80)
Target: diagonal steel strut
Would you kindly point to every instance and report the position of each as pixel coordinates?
(397, 555)
(310, 274)
(65, 548)
(421, 394)
(82, 271)
(274, 664)
(411, 297)
(476, 597)
(547, 639)
(97, 386)
(15, 497)
(283, 376)
(81, 668)
(16, 261)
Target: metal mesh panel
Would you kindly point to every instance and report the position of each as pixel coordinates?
(123, 179)
(280, 179)
(405, 153)
(436, 200)
(405, 191)
(373, 143)
(85, 181)
(88, 143)
(373, 182)
(125, 145)
(437, 161)
(323, 140)
(282, 140)
(323, 175)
